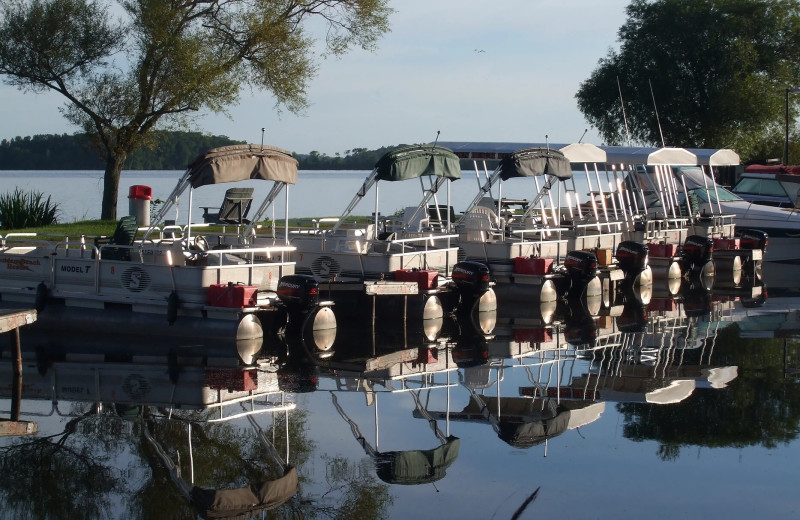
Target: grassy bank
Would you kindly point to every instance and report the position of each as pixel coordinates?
(73, 229)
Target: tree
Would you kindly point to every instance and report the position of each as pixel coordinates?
(165, 60)
(715, 72)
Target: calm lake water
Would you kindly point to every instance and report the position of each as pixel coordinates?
(316, 194)
(683, 407)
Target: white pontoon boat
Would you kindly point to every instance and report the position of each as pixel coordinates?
(409, 254)
(532, 242)
(168, 281)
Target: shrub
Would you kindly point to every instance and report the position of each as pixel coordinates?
(20, 209)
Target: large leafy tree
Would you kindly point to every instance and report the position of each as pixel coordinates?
(126, 68)
(714, 71)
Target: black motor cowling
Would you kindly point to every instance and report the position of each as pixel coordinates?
(697, 250)
(632, 257)
(298, 291)
(471, 277)
(581, 266)
(753, 239)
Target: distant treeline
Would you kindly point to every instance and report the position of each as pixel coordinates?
(169, 151)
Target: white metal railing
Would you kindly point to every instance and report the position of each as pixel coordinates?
(79, 249)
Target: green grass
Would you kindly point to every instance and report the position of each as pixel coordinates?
(72, 229)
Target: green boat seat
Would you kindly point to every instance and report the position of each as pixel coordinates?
(233, 210)
(124, 235)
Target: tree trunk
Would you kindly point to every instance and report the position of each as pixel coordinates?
(114, 164)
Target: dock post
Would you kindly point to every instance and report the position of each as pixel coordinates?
(16, 388)
(11, 321)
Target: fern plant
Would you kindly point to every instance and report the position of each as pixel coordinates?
(19, 209)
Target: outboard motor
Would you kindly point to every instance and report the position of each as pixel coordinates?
(580, 328)
(633, 318)
(474, 287)
(581, 267)
(299, 291)
(471, 277)
(300, 294)
(696, 253)
(753, 239)
(632, 257)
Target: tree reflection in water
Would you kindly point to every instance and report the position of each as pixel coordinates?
(80, 473)
(761, 407)
(65, 475)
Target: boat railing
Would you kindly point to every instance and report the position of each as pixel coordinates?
(255, 407)
(717, 225)
(592, 229)
(255, 255)
(422, 243)
(20, 236)
(543, 234)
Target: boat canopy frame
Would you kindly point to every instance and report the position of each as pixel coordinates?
(438, 163)
(234, 163)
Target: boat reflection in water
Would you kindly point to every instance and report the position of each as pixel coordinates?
(176, 422)
(382, 413)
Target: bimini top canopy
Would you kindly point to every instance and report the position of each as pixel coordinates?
(715, 157)
(583, 153)
(575, 152)
(411, 162)
(649, 156)
(531, 162)
(246, 501)
(417, 466)
(241, 162)
(533, 433)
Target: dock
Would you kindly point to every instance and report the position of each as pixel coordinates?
(10, 322)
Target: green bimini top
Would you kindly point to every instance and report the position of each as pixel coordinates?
(411, 162)
(530, 162)
(417, 466)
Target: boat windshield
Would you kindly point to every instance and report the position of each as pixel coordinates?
(711, 194)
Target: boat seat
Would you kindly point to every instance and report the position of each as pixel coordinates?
(480, 224)
(487, 202)
(124, 235)
(405, 223)
(437, 217)
(233, 210)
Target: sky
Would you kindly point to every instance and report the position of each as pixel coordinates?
(473, 70)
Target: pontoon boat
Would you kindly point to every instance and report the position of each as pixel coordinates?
(168, 281)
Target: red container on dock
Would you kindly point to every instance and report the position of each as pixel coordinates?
(662, 250)
(662, 304)
(529, 265)
(726, 244)
(538, 335)
(232, 295)
(232, 380)
(427, 355)
(427, 279)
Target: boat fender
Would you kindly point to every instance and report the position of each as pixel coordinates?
(41, 297)
(172, 307)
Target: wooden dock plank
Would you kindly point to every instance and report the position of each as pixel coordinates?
(11, 319)
(16, 428)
